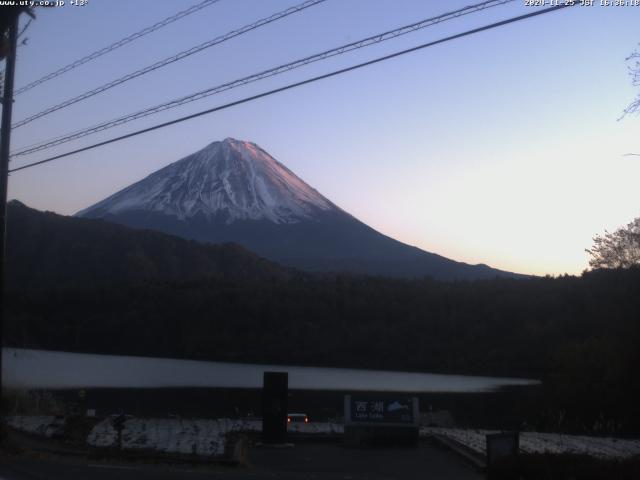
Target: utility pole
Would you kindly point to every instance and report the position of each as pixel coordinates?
(5, 141)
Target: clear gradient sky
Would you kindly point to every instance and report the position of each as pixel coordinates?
(500, 148)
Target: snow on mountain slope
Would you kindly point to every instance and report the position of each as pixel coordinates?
(232, 178)
(233, 191)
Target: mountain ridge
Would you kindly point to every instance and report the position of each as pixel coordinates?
(234, 191)
(46, 250)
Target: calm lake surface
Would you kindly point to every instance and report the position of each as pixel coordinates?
(31, 369)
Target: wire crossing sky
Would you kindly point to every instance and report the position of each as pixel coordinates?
(169, 60)
(363, 43)
(502, 147)
(110, 48)
(298, 84)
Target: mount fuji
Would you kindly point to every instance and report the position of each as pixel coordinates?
(234, 191)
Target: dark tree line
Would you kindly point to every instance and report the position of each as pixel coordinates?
(578, 334)
(92, 286)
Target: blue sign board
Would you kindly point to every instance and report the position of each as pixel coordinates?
(381, 410)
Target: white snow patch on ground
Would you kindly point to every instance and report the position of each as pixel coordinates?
(204, 437)
(38, 369)
(45, 425)
(184, 436)
(320, 428)
(536, 442)
(208, 437)
(189, 436)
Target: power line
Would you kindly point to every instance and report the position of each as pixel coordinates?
(298, 84)
(366, 42)
(172, 59)
(24, 29)
(134, 36)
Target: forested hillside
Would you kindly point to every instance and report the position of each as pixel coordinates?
(47, 250)
(90, 286)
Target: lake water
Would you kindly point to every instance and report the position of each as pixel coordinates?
(33, 369)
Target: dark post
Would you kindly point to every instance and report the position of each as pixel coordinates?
(275, 390)
(502, 455)
(5, 141)
(118, 424)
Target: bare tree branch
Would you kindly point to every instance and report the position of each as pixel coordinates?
(634, 73)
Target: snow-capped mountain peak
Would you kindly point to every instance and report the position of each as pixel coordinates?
(234, 191)
(234, 179)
